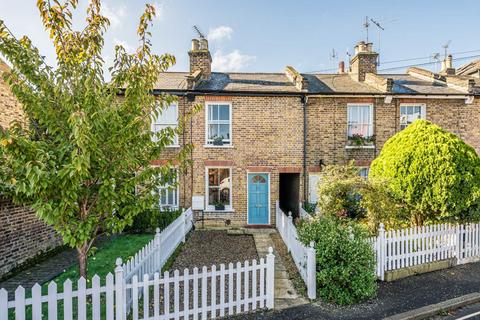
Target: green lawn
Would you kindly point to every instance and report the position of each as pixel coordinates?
(103, 261)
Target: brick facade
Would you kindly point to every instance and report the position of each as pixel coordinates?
(22, 236)
(268, 137)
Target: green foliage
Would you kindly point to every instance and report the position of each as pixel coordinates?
(382, 207)
(86, 150)
(432, 172)
(149, 220)
(345, 260)
(339, 192)
(310, 207)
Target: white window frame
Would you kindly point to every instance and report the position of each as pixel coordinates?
(155, 123)
(371, 124)
(209, 142)
(169, 189)
(228, 208)
(423, 112)
(317, 176)
(363, 168)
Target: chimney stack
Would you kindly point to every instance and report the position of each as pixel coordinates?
(341, 67)
(447, 67)
(364, 61)
(200, 58)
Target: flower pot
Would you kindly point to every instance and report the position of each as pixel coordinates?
(219, 207)
(218, 142)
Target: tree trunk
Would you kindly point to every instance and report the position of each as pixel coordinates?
(82, 259)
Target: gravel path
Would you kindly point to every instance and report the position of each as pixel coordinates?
(213, 247)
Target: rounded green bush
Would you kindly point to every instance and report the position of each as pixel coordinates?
(432, 171)
(345, 260)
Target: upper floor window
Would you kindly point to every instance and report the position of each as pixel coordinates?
(169, 193)
(360, 120)
(410, 113)
(219, 124)
(167, 119)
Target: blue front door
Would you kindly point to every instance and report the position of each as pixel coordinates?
(258, 198)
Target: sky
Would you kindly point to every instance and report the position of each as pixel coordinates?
(266, 36)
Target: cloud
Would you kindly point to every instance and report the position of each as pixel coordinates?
(159, 10)
(220, 33)
(115, 15)
(233, 61)
(124, 44)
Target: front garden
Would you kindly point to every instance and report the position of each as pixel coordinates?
(424, 180)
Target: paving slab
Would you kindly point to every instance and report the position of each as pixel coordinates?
(285, 294)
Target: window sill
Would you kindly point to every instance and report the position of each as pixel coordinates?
(211, 146)
(361, 147)
(220, 211)
(173, 146)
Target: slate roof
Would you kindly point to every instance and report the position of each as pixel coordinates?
(469, 68)
(317, 84)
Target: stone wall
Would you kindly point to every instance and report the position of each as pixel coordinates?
(22, 236)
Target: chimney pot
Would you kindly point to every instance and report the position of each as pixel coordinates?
(203, 44)
(195, 44)
(341, 67)
(364, 61)
(200, 58)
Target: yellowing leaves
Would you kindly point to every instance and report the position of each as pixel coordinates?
(5, 142)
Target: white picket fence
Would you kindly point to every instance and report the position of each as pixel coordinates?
(397, 249)
(210, 293)
(303, 256)
(303, 213)
(153, 256)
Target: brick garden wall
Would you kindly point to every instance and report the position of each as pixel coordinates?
(22, 236)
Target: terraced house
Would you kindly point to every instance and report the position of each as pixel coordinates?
(263, 137)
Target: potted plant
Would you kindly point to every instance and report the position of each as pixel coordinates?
(359, 140)
(218, 141)
(219, 206)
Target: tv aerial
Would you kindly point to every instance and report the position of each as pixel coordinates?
(380, 28)
(445, 48)
(366, 25)
(200, 33)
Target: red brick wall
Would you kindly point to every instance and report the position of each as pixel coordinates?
(22, 236)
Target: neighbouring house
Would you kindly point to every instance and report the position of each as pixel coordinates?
(263, 137)
(22, 235)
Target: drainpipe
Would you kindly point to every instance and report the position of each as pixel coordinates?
(305, 125)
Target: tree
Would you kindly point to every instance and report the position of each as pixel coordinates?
(433, 172)
(339, 192)
(83, 163)
(345, 194)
